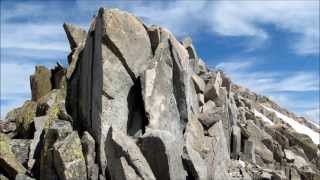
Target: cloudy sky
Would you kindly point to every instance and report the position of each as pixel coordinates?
(271, 47)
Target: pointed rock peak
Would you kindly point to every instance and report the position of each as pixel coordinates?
(75, 34)
(187, 42)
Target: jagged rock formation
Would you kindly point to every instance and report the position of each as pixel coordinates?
(136, 103)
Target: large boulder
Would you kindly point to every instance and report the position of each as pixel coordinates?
(125, 159)
(57, 130)
(40, 82)
(8, 162)
(68, 158)
(120, 42)
(167, 164)
(194, 150)
(218, 159)
(75, 35)
(24, 119)
(20, 148)
(35, 145)
(158, 94)
(212, 89)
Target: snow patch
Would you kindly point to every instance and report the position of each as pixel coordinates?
(263, 117)
(300, 128)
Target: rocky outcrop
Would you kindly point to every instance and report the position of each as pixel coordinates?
(8, 162)
(136, 103)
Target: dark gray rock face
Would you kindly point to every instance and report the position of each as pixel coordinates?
(167, 164)
(135, 103)
(124, 158)
(68, 158)
(89, 151)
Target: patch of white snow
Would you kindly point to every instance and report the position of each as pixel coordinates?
(263, 117)
(300, 128)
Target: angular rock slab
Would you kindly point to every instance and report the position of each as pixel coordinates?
(39, 123)
(128, 36)
(8, 161)
(57, 130)
(124, 156)
(158, 94)
(40, 82)
(20, 147)
(194, 150)
(212, 89)
(88, 148)
(219, 156)
(163, 155)
(75, 34)
(199, 83)
(68, 158)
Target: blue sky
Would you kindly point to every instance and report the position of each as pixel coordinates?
(271, 47)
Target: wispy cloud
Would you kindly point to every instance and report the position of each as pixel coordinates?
(284, 88)
(242, 72)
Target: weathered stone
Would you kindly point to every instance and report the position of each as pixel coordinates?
(57, 130)
(257, 135)
(123, 155)
(75, 35)
(194, 149)
(249, 151)
(208, 106)
(88, 146)
(202, 66)
(219, 156)
(297, 160)
(39, 123)
(2, 177)
(184, 89)
(68, 158)
(200, 100)
(132, 32)
(304, 141)
(154, 35)
(235, 142)
(187, 43)
(23, 177)
(8, 162)
(24, 119)
(213, 87)
(167, 164)
(199, 83)
(210, 117)
(7, 126)
(158, 94)
(20, 147)
(40, 82)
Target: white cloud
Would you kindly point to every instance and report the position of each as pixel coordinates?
(313, 114)
(265, 82)
(15, 85)
(283, 88)
(33, 36)
(243, 18)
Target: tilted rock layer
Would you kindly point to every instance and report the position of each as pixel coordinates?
(136, 103)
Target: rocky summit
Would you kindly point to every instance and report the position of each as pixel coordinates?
(135, 103)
